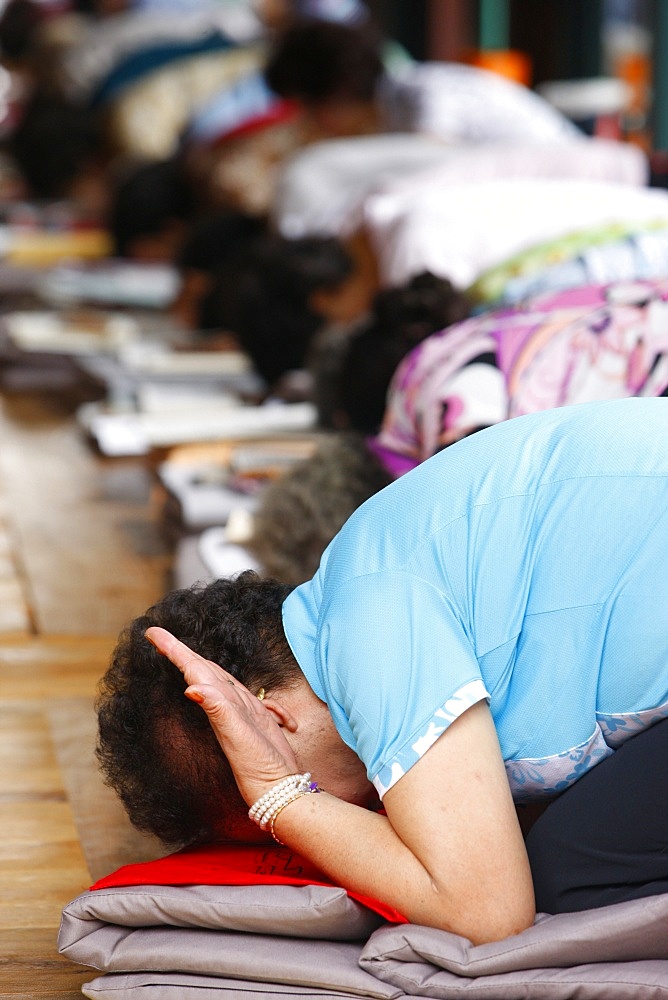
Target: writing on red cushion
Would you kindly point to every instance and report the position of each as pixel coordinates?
(234, 864)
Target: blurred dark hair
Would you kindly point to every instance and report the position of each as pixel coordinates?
(300, 513)
(402, 317)
(317, 61)
(52, 143)
(156, 748)
(211, 240)
(146, 200)
(263, 297)
(19, 22)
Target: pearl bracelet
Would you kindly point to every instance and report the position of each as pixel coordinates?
(283, 789)
(268, 806)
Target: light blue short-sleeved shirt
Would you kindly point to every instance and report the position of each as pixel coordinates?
(526, 565)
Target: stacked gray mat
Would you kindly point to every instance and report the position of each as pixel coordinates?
(216, 942)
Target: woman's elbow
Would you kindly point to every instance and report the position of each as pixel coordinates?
(496, 927)
(483, 920)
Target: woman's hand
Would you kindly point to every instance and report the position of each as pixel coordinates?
(246, 728)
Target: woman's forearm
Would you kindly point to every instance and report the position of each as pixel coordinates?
(359, 850)
(449, 853)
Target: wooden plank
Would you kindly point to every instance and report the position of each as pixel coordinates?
(42, 865)
(48, 994)
(32, 968)
(15, 617)
(107, 838)
(68, 993)
(57, 666)
(28, 765)
(84, 527)
(80, 555)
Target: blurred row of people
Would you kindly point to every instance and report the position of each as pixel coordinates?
(420, 249)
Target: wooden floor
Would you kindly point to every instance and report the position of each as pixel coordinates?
(80, 554)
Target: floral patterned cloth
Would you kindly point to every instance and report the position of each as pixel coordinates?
(591, 343)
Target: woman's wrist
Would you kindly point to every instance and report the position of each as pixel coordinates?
(267, 808)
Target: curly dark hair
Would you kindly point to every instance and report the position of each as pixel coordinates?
(155, 747)
(401, 318)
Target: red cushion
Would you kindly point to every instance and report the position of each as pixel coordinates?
(234, 864)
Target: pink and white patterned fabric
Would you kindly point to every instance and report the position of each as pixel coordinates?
(591, 343)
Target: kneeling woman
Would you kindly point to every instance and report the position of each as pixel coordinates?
(491, 627)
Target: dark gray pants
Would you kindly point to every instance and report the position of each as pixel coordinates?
(605, 839)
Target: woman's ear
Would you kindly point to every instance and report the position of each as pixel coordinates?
(281, 711)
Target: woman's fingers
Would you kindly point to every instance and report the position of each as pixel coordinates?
(204, 676)
(194, 667)
(171, 647)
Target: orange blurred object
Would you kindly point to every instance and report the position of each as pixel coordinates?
(635, 68)
(510, 63)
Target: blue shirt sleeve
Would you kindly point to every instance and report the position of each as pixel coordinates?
(397, 668)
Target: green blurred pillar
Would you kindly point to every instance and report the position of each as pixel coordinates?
(660, 74)
(494, 19)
